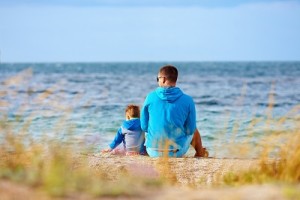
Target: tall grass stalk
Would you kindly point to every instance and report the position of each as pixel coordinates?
(278, 149)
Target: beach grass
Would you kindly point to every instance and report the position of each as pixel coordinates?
(60, 171)
(277, 164)
(278, 149)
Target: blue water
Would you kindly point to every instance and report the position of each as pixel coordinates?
(87, 100)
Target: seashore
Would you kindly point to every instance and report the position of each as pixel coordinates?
(186, 171)
(186, 178)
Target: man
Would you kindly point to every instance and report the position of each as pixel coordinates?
(168, 118)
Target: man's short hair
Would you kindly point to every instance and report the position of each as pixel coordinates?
(170, 72)
(133, 111)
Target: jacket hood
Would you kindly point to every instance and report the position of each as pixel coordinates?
(169, 94)
(133, 124)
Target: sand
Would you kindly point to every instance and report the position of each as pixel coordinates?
(189, 171)
(193, 178)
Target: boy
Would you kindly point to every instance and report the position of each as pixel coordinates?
(130, 134)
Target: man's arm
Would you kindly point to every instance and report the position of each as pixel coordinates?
(145, 116)
(190, 123)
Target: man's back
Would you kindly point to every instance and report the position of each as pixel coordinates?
(168, 115)
(169, 118)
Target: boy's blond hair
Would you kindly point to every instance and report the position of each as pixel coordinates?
(133, 111)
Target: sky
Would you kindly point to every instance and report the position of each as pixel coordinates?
(149, 30)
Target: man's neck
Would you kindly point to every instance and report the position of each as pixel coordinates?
(169, 85)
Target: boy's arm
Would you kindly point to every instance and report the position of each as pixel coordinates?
(117, 140)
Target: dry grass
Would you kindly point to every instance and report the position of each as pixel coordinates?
(278, 149)
(55, 169)
(280, 165)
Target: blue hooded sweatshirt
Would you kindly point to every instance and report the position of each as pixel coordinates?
(130, 133)
(169, 119)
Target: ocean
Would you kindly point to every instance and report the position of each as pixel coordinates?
(235, 101)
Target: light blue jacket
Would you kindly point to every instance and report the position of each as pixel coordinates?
(168, 117)
(130, 133)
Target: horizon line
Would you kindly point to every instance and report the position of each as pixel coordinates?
(175, 61)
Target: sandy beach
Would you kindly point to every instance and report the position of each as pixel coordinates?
(189, 178)
(188, 171)
(195, 177)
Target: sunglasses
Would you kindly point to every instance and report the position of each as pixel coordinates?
(157, 78)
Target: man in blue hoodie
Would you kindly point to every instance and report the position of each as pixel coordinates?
(168, 118)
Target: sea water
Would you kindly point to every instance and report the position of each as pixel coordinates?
(87, 100)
